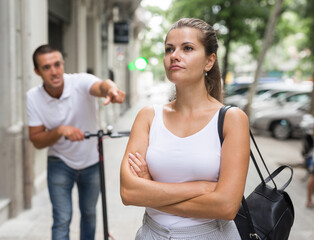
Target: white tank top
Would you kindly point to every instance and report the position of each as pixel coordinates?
(174, 159)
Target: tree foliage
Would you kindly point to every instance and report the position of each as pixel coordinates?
(153, 45)
(309, 22)
(239, 23)
(235, 20)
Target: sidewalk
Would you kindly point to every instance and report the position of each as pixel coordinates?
(35, 224)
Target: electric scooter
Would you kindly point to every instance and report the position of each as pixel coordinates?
(100, 134)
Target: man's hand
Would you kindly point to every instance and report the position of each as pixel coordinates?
(109, 90)
(71, 133)
(114, 95)
(42, 137)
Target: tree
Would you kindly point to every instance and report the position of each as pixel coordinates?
(153, 43)
(303, 27)
(309, 18)
(268, 37)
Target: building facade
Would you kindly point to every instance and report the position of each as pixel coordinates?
(96, 36)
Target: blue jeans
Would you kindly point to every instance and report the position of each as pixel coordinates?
(61, 179)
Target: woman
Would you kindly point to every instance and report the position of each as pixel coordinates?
(174, 164)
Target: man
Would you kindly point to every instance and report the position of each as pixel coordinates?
(63, 107)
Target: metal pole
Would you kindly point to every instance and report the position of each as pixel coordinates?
(102, 183)
(100, 134)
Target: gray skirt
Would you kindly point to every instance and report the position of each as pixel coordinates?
(214, 230)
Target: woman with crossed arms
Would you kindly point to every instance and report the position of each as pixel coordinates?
(174, 164)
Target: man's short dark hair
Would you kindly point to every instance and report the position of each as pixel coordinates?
(46, 48)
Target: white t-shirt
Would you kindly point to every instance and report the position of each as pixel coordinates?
(173, 159)
(77, 108)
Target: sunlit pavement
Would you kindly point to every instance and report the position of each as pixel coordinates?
(35, 224)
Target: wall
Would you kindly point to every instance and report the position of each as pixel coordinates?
(23, 27)
(38, 25)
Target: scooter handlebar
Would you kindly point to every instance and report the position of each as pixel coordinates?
(119, 134)
(87, 134)
(109, 133)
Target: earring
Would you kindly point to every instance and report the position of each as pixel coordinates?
(205, 74)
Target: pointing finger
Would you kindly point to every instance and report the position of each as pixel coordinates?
(107, 100)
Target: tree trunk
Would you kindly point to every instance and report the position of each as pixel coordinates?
(226, 60)
(268, 38)
(227, 46)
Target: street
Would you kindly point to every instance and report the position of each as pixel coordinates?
(34, 224)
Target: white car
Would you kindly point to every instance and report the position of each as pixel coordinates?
(240, 96)
(282, 122)
(276, 99)
(264, 93)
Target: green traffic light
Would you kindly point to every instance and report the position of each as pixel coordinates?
(140, 63)
(131, 66)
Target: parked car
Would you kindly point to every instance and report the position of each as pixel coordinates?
(239, 98)
(283, 122)
(277, 98)
(235, 89)
(272, 94)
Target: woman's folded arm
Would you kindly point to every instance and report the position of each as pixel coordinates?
(143, 192)
(224, 201)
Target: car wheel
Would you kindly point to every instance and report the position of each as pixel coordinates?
(281, 130)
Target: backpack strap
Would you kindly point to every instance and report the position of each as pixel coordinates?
(221, 117)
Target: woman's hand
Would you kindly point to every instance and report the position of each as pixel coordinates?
(138, 166)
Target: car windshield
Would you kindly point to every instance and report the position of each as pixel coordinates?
(261, 92)
(271, 95)
(241, 91)
(302, 98)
